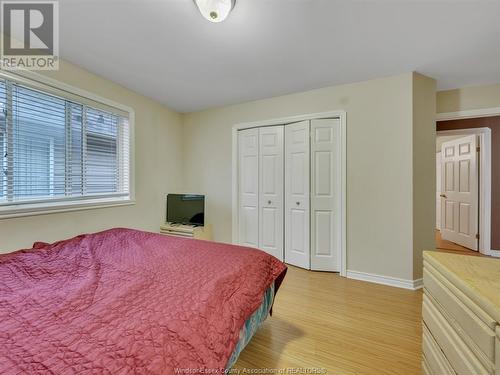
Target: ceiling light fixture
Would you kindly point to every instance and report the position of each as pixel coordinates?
(215, 10)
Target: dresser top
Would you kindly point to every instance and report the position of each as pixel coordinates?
(477, 277)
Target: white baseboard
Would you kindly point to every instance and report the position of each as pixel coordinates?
(494, 253)
(385, 280)
(418, 284)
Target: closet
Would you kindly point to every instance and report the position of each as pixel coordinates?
(289, 192)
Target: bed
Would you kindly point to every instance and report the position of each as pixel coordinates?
(130, 302)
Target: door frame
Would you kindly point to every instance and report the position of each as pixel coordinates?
(438, 212)
(341, 115)
(484, 245)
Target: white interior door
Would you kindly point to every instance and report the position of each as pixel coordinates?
(459, 204)
(271, 190)
(326, 202)
(248, 186)
(297, 218)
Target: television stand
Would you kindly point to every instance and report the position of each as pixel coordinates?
(188, 231)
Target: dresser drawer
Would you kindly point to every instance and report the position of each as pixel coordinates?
(463, 360)
(497, 350)
(474, 324)
(425, 367)
(434, 363)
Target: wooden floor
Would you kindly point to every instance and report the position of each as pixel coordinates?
(452, 247)
(322, 320)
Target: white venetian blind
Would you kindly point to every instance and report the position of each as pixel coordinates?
(3, 143)
(57, 148)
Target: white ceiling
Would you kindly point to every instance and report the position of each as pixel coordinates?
(166, 50)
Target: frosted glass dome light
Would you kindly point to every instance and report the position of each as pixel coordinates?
(215, 10)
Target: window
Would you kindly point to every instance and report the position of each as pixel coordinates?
(58, 150)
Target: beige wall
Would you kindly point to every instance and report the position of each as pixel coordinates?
(386, 136)
(424, 168)
(157, 169)
(379, 164)
(468, 98)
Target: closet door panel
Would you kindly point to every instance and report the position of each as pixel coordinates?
(248, 183)
(271, 190)
(298, 236)
(297, 222)
(325, 190)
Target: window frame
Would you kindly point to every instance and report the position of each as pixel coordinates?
(65, 204)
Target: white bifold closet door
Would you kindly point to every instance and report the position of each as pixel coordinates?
(289, 192)
(260, 175)
(248, 186)
(325, 189)
(271, 190)
(297, 222)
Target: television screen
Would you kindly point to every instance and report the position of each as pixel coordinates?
(186, 209)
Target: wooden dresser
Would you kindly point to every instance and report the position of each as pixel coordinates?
(461, 314)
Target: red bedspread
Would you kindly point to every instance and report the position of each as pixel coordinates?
(127, 302)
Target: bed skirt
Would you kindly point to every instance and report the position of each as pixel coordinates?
(252, 324)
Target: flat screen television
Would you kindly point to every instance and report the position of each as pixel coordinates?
(186, 209)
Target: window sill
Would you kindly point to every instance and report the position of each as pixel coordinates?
(21, 210)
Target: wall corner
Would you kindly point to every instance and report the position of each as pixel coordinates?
(424, 168)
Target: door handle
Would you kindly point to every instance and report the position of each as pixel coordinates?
(443, 196)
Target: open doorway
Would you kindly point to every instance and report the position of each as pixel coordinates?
(463, 188)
